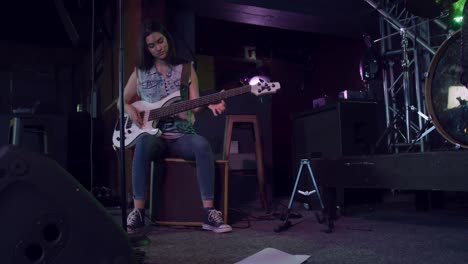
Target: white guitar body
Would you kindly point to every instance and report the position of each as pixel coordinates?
(132, 132)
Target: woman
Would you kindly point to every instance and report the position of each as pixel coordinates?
(157, 75)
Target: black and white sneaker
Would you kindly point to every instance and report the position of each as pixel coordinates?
(214, 222)
(135, 220)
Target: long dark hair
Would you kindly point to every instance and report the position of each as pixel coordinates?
(144, 58)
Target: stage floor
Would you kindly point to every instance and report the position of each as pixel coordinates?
(393, 232)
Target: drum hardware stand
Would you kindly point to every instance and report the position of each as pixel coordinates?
(400, 29)
(320, 218)
(425, 130)
(390, 128)
(393, 22)
(405, 66)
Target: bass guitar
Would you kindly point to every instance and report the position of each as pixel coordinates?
(151, 113)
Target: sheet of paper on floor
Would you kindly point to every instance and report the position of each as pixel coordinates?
(273, 256)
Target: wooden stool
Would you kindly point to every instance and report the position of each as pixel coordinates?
(230, 120)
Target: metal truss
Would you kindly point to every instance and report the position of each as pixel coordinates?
(407, 45)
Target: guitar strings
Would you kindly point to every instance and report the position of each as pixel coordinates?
(187, 105)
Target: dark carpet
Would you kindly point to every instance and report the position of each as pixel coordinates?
(389, 233)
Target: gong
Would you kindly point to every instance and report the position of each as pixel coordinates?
(446, 97)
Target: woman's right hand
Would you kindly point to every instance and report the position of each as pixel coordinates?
(133, 114)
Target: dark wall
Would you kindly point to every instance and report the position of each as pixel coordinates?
(36, 83)
(307, 66)
(37, 74)
(334, 68)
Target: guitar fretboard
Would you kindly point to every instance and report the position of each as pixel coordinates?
(191, 104)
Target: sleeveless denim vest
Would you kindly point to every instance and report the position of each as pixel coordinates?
(153, 87)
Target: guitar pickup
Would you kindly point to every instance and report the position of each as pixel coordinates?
(129, 122)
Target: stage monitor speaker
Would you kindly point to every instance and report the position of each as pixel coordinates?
(48, 217)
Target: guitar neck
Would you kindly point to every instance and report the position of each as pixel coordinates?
(183, 106)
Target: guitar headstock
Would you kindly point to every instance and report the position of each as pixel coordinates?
(263, 87)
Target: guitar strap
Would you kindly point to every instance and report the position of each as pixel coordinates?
(185, 78)
(184, 86)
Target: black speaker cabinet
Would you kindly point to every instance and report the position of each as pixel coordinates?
(48, 217)
(346, 128)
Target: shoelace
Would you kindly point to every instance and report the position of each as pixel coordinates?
(133, 217)
(215, 216)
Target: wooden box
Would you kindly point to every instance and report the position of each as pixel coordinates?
(175, 196)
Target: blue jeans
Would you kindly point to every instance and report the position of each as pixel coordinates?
(189, 147)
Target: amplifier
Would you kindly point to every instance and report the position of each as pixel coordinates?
(343, 129)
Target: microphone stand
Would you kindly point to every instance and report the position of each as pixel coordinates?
(123, 200)
(135, 239)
